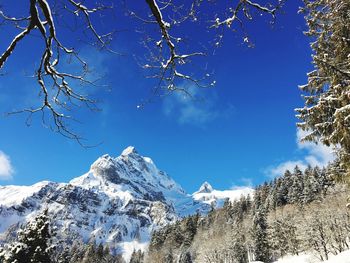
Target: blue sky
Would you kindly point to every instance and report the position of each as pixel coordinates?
(242, 132)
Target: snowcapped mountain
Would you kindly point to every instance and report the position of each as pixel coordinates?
(118, 202)
(206, 194)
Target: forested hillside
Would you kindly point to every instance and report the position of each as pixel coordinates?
(297, 212)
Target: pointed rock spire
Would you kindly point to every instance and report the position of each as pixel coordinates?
(205, 188)
(129, 150)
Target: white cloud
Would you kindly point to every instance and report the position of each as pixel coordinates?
(245, 182)
(193, 110)
(318, 154)
(278, 170)
(6, 169)
(313, 154)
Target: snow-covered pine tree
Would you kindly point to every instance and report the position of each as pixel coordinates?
(33, 242)
(169, 257)
(290, 228)
(260, 236)
(185, 257)
(296, 189)
(278, 239)
(72, 253)
(257, 202)
(324, 179)
(311, 186)
(136, 257)
(285, 185)
(239, 249)
(273, 195)
(190, 229)
(326, 115)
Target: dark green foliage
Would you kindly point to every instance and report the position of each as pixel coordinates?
(236, 210)
(98, 254)
(325, 116)
(295, 192)
(260, 236)
(190, 229)
(238, 248)
(176, 235)
(294, 188)
(88, 253)
(278, 239)
(137, 257)
(169, 258)
(283, 238)
(33, 242)
(185, 257)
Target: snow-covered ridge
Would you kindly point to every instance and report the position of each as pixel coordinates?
(14, 194)
(205, 188)
(208, 195)
(119, 201)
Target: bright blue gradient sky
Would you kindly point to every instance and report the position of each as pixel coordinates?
(242, 131)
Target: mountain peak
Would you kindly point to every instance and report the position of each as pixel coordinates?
(129, 150)
(205, 188)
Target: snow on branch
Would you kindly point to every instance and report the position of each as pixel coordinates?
(56, 86)
(167, 66)
(169, 53)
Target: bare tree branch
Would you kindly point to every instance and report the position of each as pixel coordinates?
(166, 54)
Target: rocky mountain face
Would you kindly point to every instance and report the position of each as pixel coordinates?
(119, 202)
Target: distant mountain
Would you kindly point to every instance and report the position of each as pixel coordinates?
(119, 202)
(206, 194)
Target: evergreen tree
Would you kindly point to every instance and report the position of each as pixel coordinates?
(100, 251)
(190, 229)
(257, 202)
(175, 234)
(157, 239)
(65, 255)
(169, 257)
(278, 238)
(310, 186)
(273, 196)
(260, 236)
(296, 189)
(325, 180)
(33, 243)
(185, 257)
(136, 257)
(292, 237)
(90, 254)
(325, 116)
(284, 187)
(239, 249)
(76, 253)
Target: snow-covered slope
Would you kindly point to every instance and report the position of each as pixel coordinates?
(208, 195)
(343, 257)
(119, 201)
(13, 194)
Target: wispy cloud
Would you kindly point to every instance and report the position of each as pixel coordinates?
(313, 154)
(6, 169)
(278, 170)
(318, 154)
(245, 183)
(196, 109)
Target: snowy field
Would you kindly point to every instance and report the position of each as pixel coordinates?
(343, 257)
